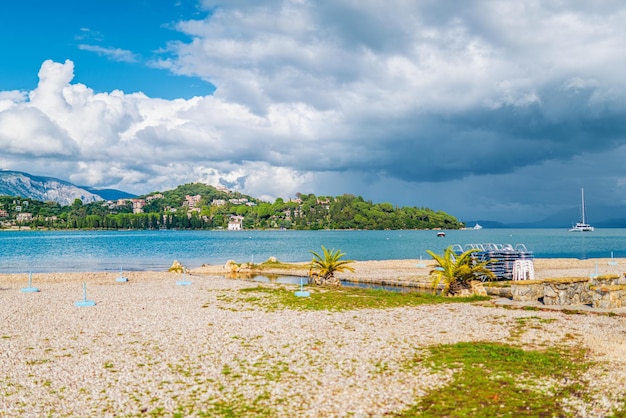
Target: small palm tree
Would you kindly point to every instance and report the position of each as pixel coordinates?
(456, 273)
(324, 267)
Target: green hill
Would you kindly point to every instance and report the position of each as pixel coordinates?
(200, 206)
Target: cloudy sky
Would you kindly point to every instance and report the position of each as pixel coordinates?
(484, 109)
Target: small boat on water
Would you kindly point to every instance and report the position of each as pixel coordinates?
(582, 226)
(441, 234)
(478, 226)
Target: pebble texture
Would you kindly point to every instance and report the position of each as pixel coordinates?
(152, 347)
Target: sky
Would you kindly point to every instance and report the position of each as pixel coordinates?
(483, 109)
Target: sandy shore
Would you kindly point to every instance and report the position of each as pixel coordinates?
(150, 347)
(418, 270)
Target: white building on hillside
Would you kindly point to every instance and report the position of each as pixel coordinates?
(235, 223)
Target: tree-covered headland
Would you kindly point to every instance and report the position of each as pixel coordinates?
(199, 206)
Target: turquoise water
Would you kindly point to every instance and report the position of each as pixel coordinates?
(47, 251)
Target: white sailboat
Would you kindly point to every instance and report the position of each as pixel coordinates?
(582, 226)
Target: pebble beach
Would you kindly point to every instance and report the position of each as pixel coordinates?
(152, 348)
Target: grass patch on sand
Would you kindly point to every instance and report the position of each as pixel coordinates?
(494, 379)
(341, 298)
(278, 265)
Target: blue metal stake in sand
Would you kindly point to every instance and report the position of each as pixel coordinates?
(593, 275)
(85, 302)
(612, 262)
(302, 293)
(183, 282)
(30, 288)
(421, 264)
(121, 279)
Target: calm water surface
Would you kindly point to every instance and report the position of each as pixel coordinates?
(48, 251)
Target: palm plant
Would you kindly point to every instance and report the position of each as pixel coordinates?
(324, 267)
(456, 272)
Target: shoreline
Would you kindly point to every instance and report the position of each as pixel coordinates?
(408, 274)
(404, 270)
(416, 270)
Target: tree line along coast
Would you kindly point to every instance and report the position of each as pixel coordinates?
(200, 206)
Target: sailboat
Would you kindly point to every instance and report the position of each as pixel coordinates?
(582, 226)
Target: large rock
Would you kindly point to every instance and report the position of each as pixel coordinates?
(526, 290)
(566, 292)
(609, 296)
(177, 267)
(231, 266)
(477, 288)
(607, 280)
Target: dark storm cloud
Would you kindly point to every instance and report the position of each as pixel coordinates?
(400, 99)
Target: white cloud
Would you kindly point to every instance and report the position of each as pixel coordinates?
(30, 132)
(114, 54)
(392, 97)
(134, 142)
(8, 99)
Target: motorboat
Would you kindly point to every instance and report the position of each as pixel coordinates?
(441, 234)
(582, 226)
(478, 226)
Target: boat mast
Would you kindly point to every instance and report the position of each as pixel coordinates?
(582, 194)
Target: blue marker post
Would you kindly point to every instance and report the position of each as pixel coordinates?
(302, 293)
(421, 263)
(85, 302)
(30, 288)
(121, 279)
(184, 281)
(594, 274)
(612, 262)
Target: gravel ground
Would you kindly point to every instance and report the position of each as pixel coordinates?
(152, 347)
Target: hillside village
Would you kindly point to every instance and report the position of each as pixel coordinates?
(191, 205)
(200, 206)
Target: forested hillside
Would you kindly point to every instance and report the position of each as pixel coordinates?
(199, 206)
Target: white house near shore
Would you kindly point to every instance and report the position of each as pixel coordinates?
(235, 223)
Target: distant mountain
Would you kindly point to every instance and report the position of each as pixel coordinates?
(599, 217)
(15, 183)
(109, 194)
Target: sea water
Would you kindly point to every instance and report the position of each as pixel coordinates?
(49, 251)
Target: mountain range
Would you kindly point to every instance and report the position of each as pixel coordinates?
(16, 183)
(599, 217)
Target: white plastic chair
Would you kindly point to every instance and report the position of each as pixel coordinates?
(523, 270)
